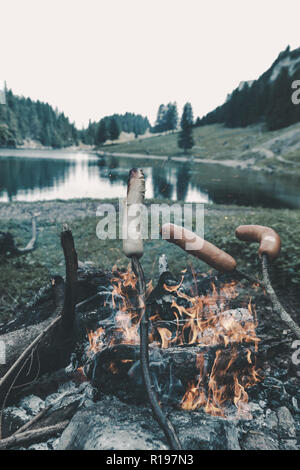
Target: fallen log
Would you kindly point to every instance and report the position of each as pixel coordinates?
(29, 437)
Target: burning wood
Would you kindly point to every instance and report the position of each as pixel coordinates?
(193, 343)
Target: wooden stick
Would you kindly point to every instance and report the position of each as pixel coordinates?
(31, 422)
(161, 418)
(68, 313)
(278, 308)
(36, 435)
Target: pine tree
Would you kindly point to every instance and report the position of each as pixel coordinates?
(185, 138)
(102, 132)
(171, 117)
(114, 128)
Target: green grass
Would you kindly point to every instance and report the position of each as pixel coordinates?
(212, 141)
(21, 277)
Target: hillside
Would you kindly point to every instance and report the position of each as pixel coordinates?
(250, 146)
(21, 118)
(265, 100)
(36, 123)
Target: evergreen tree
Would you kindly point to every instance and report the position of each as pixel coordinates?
(185, 138)
(114, 128)
(171, 118)
(102, 132)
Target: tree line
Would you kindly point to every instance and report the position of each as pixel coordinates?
(21, 118)
(110, 127)
(267, 100)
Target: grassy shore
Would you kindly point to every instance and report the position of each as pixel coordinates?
(250, 146)
(21, 277)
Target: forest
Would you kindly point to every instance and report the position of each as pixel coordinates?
(266, 100)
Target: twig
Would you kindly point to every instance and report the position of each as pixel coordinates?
(36, 435)
(68, 313)
(278, 308)
(31, 422)
(164, 422)
(249, 278)
(27, 351)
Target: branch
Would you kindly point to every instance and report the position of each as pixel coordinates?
(27, 351)
(278, 308)
(163, 421)
(31, 422)
(68, 312)
(37, 435)
(31, 244)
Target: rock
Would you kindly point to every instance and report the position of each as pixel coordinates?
(113, 425)
(271, 421)
(32, 404)
(259, 441)
(41, 446)
(289, 444)
(286, 425)
(12, 419)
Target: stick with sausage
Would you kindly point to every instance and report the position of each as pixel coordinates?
(132, 236)
(268, 239)
(196, 246)
(269, 249)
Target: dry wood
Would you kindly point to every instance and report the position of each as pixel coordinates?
(15, 366)
(278, 308)
(34, 420)
(29, 437)
(159, 415)
(68, 313)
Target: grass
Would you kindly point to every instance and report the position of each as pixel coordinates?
(21, 277)
(211, 141)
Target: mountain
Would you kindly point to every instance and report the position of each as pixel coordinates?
(21, 118)
(266, 100)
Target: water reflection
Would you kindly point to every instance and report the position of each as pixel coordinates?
(43, 175)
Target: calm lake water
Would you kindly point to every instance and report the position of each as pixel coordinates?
(31, 175)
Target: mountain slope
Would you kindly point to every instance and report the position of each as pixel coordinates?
(267, 99)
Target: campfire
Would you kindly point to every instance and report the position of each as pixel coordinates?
(98, 346)
(226, 339)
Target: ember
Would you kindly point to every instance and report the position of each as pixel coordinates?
(205, 320)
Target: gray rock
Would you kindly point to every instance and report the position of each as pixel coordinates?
(32, 404)
(271, 421)
(286, 425)
(12, 419)
(259, 441)
(113, 425)
(41, 446)
(289, 444)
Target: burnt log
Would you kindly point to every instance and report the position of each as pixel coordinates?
(117, 370)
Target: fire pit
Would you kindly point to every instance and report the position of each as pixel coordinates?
(220, 377)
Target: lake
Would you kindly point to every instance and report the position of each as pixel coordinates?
(31, 175)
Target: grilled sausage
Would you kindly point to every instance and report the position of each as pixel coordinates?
(268, 239)
(196, 246)
(132, 237)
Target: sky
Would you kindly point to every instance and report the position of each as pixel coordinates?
(92, 58)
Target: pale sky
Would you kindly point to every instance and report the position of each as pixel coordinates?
(92, 58)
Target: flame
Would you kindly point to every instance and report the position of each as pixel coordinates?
(205, 321)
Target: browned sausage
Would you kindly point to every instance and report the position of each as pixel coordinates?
(268, 239)
(196, 246)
